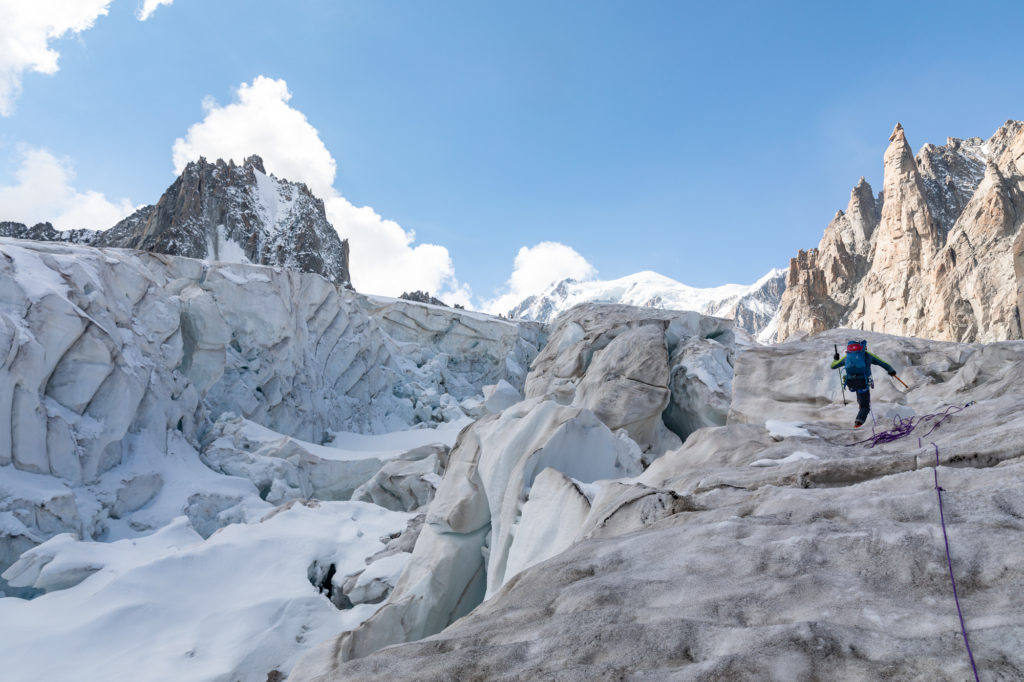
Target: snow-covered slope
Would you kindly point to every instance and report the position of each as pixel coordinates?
(753, 306)
(172, 605)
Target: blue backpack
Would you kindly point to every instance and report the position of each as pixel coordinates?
(857, 363)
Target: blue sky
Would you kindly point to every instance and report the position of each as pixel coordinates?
(708, 143)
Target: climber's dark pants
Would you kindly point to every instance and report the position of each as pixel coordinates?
(864, 400)
(861, 386)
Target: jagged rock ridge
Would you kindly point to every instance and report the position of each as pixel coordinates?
(225, 212)
(938, 253)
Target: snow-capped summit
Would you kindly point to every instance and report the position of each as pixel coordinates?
(225, 212)
(754, 306)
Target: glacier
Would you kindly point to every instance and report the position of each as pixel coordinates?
(221, 471)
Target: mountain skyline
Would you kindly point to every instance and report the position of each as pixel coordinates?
(458, 145)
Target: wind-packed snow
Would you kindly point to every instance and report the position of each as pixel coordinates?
(173, 606)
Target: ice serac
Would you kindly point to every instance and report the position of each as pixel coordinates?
(471, 526)
(116, 365)
(469, 350)
(620, 361)
(937, 260)
(544, 473)
(224, 212)
(782, 549)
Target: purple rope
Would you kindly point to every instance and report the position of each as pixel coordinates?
(903, 427)
(949, 562)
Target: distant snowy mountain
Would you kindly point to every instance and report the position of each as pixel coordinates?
(754, 307)
(224, 212)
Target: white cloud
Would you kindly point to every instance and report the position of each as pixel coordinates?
(261, 122)
(148, 7)
(384, 258)
(44, 193)
(538, 267)
(26, 29)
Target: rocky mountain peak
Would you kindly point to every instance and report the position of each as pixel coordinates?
(226, 212)
(936, 258)
(255, 161)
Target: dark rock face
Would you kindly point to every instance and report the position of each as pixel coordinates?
(756, 311)
(422, 297)
(45, 232)
(222, 211)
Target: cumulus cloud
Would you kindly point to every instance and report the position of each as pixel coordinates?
(44, 192)
(384, 260)
(538, 267)
(384, 257)
(262, 122)
(26, 29)
(148, 7)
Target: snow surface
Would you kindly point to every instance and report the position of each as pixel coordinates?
(795, 457)
(228, 249)
(275, 200)
(781, 429)
(356, 445)
(649, 289)
(230, 607)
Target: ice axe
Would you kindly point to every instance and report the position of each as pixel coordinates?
(842, 386)
(900, 380)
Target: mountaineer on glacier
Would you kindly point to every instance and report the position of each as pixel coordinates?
(857, 364)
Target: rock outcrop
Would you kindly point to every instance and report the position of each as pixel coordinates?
(224, 212)
(930, 256)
